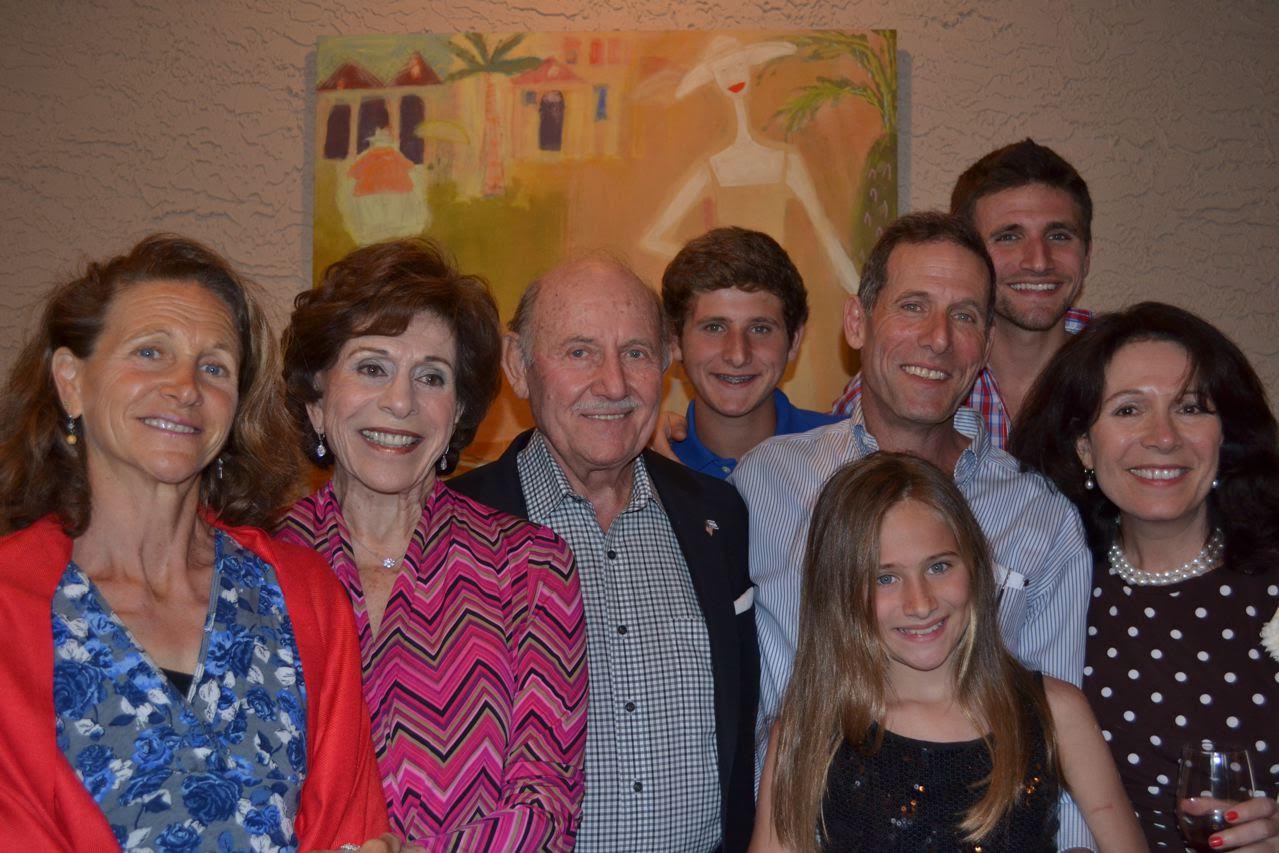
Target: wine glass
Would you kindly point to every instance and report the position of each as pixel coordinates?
(1213, 778)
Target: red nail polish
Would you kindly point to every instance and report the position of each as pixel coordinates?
(1232, 816)
(1215, 842)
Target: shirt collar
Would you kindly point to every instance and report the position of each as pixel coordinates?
(785, 414)
(694, 453)
(546, 486)
(862, 439)
(967, 422)
(1076, 319)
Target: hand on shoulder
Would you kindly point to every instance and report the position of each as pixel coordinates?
(671, 427)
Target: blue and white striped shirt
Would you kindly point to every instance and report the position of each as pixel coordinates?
(1035, 534)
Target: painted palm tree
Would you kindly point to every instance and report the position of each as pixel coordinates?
(877, 205)
(880, 64)
(477, 58)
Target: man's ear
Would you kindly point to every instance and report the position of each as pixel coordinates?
(795, 341)
(1083, 449)
(677, 354)
(513, 365)
(854, 322)
(68, 374)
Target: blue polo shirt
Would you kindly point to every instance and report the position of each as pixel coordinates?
(790, 419)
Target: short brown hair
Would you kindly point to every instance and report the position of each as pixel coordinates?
(40, 473)
(913, 229)
(378, 290)
(1018, 165)
(733, 257)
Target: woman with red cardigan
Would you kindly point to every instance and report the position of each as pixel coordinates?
(173, 679)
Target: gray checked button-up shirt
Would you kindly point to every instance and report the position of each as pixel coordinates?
(652, 781)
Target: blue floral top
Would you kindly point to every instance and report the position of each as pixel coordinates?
(221, 767)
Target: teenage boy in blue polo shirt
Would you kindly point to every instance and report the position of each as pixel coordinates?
(737, 308)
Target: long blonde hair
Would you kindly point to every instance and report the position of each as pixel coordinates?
(838, 691)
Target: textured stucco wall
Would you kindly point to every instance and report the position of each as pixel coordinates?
(123, 117)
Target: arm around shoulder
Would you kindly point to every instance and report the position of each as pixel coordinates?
(671, 427)
(1088, 771)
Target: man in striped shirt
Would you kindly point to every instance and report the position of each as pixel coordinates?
(922, 324)
(1034, 213)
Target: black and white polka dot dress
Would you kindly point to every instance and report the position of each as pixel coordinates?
(1172, 664)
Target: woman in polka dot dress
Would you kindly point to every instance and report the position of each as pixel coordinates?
(1180, 494)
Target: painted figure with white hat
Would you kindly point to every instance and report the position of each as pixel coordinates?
(750, 181)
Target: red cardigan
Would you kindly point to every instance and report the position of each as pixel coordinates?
(44, 806)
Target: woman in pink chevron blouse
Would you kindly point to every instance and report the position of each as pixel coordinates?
(471, 624)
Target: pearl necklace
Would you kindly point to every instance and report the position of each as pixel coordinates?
(1205, 561)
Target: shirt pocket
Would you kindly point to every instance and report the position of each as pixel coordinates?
(1011, 596)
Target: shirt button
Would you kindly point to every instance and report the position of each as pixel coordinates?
(630, 707)
(612, 555)
(621, 629)
(638, 786)
(726, 469)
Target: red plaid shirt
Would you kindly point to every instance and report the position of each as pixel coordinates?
(985, 394)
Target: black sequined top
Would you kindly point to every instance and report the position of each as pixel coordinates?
(912, 794)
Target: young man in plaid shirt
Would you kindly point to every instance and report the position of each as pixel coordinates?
(1033, 211)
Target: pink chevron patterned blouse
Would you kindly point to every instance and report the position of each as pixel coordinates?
(476, 679)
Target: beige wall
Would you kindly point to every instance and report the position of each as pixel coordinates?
(121, 117)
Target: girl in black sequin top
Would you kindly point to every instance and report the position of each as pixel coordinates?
(907, 726)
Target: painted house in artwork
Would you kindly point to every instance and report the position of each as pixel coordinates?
(571, 107)
(354, 104)
(373, 131)
(568, 108)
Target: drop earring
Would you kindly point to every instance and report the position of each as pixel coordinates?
(219, 467)
(320, 450)
(1089, 482)
(443, 463)
(72, 437)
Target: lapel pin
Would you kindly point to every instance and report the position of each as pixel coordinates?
(711, 527)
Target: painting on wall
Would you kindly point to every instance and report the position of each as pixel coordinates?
(515, 151)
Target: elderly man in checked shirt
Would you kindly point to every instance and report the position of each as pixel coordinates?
(922, 324)
(661, 552)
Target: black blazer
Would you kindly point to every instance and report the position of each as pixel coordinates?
(717, 562)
